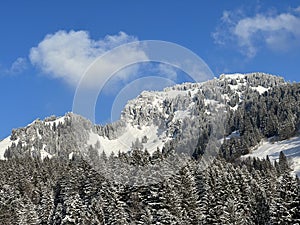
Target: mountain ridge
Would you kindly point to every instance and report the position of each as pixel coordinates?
(154, 120)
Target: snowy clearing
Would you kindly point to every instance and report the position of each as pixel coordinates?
(291, 148)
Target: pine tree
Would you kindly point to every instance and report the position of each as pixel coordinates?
(283, 163)
(189, 201)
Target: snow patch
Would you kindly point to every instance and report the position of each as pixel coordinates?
(4, 144)
(57, 121)
(235, 107)
(38, 134)
(175, 93)
(45, 154)
(233, 76)
(234, 134)
(210, 102)
(291, 148)
(180, 114)
(93, 138)
(260, 89)
(71, 155)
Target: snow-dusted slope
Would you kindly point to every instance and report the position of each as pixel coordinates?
(291, 148)
(155, 139)
(4, 144)
(32, 137)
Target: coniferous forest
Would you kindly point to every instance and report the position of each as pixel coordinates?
(54, 191)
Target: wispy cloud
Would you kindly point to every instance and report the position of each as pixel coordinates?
(279, 32)
(297, 9)
(168, 71)
(18, 66)
(67, 55)
(138, 71)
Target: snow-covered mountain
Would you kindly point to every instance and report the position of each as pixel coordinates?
(189, 118)
(128, 172)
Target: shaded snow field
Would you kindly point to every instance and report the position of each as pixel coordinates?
(291, 148)
(156, 139)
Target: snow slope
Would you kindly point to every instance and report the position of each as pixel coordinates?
(56, 121)
(4, 144)
(156, 139)
(291, 148)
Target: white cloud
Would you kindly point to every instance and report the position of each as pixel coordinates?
(168, 71)
(277, 31)
(67, 55)
(18, 66)
(138, 71)
(297, 9)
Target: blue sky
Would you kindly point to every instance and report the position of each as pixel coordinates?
(45, 45)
